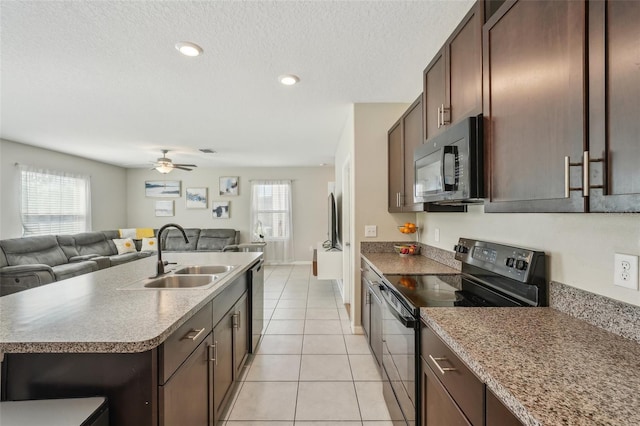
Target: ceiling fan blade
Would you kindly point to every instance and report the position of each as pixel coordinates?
(184, 165)
(175, 166)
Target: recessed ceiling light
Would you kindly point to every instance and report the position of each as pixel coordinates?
(189, 49)
(288, 79)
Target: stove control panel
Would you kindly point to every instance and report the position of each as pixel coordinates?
(513, 262)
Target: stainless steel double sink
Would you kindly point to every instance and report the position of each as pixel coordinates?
(184, 277)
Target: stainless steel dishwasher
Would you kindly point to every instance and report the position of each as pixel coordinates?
(256, 298)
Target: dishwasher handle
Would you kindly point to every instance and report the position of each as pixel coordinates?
(406, 321)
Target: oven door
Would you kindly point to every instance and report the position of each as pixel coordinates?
(399, 335)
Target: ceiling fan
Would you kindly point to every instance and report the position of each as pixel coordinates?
(165, 165)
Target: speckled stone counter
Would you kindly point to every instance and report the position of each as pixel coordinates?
(549, 368)
(101, 312)
(392, 263)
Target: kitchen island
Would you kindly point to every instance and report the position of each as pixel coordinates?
(103, 334)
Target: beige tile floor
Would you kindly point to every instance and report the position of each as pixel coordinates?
(309, 369)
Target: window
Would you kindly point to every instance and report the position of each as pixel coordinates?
(54, 202)
(271, 217)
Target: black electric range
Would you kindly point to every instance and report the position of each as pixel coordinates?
(492, 275)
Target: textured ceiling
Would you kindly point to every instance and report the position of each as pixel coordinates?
(102, 79)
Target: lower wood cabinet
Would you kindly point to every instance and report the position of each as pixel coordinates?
(185, 398)
(497, 414)
(451, 394)
(240, 322)
(223, 364)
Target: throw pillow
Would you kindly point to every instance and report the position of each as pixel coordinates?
(149, 244)
(125, 245)
(127, 233)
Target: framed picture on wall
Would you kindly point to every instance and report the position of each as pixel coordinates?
(162, 188)
(229, 185)
(220, 209)
(196, 198)
(164, 208)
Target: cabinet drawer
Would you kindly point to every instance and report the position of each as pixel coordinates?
(465, 388)
(183, 341)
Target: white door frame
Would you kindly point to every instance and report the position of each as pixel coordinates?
(346, 231)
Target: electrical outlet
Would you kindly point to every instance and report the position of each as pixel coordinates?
(436, 235)
(625, 271)
(370, 230)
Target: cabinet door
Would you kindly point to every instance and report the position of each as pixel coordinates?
(376, 327)
(534, 103)
(366, 307)
(434, 95)
(223, 364)
(396, 167)
(438, 408)
(497, 414)
(412, 138)
(464, 74)
(186, 398)
(614, 98)
(240, 315)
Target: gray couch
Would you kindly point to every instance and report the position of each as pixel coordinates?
(34, 261)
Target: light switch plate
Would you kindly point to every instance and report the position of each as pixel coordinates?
(625, 271)
(370, 231)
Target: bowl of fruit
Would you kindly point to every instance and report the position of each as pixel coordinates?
(408, 228)
(407, 249)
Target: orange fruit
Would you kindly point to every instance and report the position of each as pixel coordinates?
(408, 224)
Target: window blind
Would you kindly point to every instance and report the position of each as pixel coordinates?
(54, 202)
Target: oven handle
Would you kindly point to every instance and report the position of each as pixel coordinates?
(408, 322)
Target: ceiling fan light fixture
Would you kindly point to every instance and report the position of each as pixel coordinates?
(289, 79)
(189, 49)
(164, 168)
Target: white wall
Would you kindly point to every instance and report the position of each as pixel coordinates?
(365, 142)
(580, 246)
(309, 201)
(108, 185)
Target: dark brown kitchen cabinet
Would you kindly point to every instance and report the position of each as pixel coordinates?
(452, 82)
(185, 398)
(534, 98)
(240, 318)
(395, 167)
(497, 414)
(438, 408)
(614, 103)
(223, 366)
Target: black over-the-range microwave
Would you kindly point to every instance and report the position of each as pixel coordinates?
(449, 167)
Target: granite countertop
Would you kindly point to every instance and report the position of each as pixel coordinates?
(101, 312)
(392, 264)
(549, 368)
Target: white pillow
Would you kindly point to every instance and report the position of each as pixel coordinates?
(125, 245)
(127, 233)
(149, 244)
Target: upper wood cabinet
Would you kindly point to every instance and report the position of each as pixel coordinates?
(453, 80)
(534, 105)
(614, 106)
(403, 138)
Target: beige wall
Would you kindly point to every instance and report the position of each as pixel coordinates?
(309, 201)
(365, 142)
(580, 246)
(108, 185)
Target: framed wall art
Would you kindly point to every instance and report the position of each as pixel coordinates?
(229, 185)
(220, 209)
(164, 208)
(196, 198)
(162, 188)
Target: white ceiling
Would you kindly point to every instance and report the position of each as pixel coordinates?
(102, 79)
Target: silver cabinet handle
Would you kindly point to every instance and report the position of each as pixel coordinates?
(193, 334)
(215, 353)
(567, 184)
(442, 370)
(439, 117)
(585, 174)
(234, 320)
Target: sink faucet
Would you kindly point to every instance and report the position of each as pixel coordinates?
(161, 263)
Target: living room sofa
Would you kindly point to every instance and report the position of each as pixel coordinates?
(30, 262)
